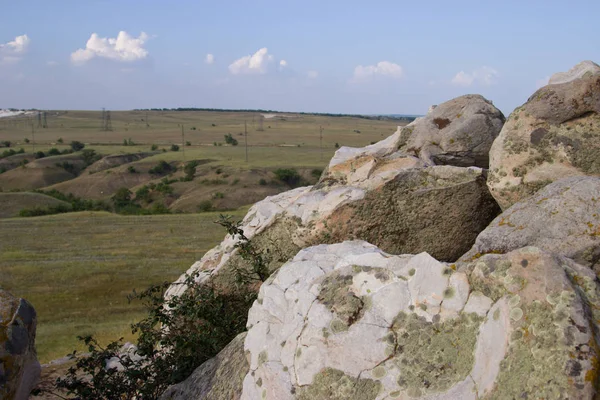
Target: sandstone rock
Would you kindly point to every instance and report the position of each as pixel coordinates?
(412, 210)
(556, 134)
(458, 132)
(348, 321)
(219, 378)
(19, 367)
(563, 218)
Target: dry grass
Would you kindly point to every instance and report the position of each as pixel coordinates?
(76, 269)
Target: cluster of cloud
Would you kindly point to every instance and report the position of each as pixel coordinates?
(209, 59)
(485, 76)
(123, 48)
(256, 63)
(11, 52)
(382, 68)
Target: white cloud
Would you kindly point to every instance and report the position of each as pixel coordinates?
(252, 64)
(540, 83)
(209, 59)
(122, 48)
(484, 76)
(283, 63)
(51, 63)
(382, 68)
(11, 52)
(313, 74)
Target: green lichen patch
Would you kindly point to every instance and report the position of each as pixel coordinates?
(432, 357)
(336, 294)
(333, 384)
(539, 362)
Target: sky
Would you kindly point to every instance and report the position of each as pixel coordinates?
(364, 57)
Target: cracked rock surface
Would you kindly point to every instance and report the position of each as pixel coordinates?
(349, 321)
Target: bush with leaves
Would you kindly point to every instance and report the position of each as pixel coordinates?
(190, 170)
(179, 334)
(161, 168)
(289, 176)
(76, 145)
(231, 140)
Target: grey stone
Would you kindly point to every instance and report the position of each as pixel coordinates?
(563, 218)
(458, 132)
(19, 367)
(556, 134)
(219, 378)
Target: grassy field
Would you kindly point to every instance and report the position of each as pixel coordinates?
(76, 269)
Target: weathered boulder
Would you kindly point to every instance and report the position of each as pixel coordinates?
(556, 134)
(348, 321)
(219, 378)
(563, 218)
(380, 194)
(458, 132)
(19, 367)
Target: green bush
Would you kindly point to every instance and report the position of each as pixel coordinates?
(6, 143)
(190, 170)
(53, 152)
(90, 156)
(60, 140)
(37, 211)
(262, 182)
(26, 140)
(76, 146)
(39, 154)
(288, 175)
(337, 145)
(131, 169)
(67, 166)
(231, 140)
(205, 206)
(316, 172)
(174, 147)
(154, 147)
(161, 168)
(218, 195)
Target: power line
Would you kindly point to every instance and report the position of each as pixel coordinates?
(246, 139)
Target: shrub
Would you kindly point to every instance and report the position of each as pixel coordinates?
(6, 143)
(37, 211)
(26, 140)
(66, 151)
(174, 147)
(337, 145)
(316, 172)
(262, 182)
(131, 169)
(231, 140)
(188, 143)
(218, 195)
(60, 140)
(2, 170)
(205, 206)
(154, 147)
(53, 152)
(143, 194)
(40, 154)
(161, 168)
(213, 124)
(76, 146)
(67, 166)
(190, 170)
(90, 156)
(288, 175)
(121, 198)
(218, 171)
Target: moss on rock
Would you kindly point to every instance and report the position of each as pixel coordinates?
(333, 384)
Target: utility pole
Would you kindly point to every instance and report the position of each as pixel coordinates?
(183, 142)
(33, 137)
(321, 140)
(147, 124)
(45, 123)
(246, 139)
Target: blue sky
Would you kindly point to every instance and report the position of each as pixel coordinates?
(322, 56)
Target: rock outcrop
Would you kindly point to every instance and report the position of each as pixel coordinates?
(348, 321)
(399, 202)
(458, 132)
(562, 218)
(219, 378)
(19, 367)
(556, 134)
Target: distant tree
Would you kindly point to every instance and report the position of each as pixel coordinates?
(190, 170)
(53, 152)
(60, 140)
(6, 143)
(26, 140)
(231, 140)
(90, 156)
(288, 175)
(76, 145)
(153, 147)
(40, 154)
(122, 198)
(174, 147)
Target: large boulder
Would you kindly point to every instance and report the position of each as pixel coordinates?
(458, 132)
(380, 194)
(19, 367)
(563, 218)
(348, 321)
(219, 378)
(556, 134)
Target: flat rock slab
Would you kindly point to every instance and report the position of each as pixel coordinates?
(349, 321)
